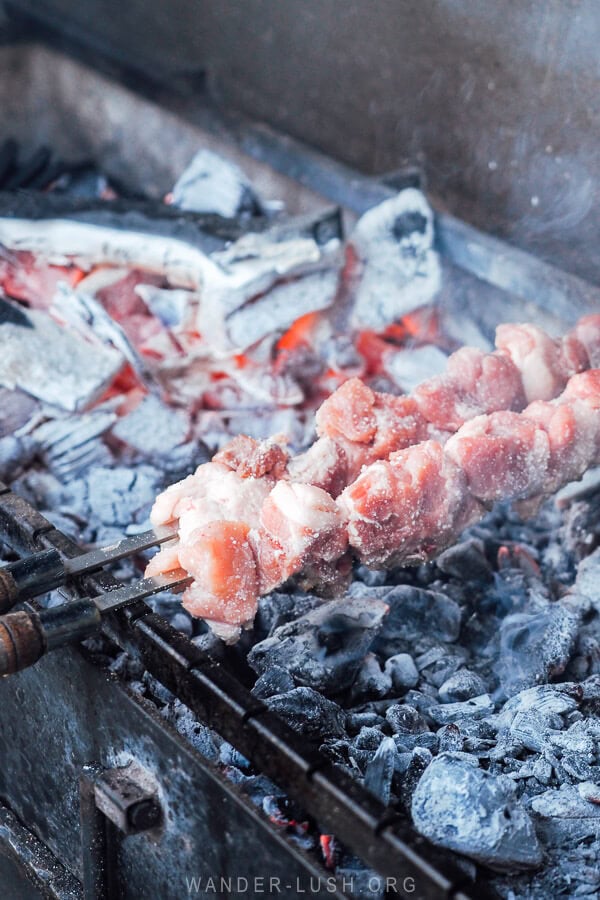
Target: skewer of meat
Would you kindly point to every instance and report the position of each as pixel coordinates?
(287, 528)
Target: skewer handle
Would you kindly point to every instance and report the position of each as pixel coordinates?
(26, 636)
(30, 577)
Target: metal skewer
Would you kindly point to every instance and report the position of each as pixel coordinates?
(45, 571)
(28, 635)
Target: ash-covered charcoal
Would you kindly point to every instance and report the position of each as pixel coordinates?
(371, 681)
(404, 719)
(571, 812)
(275, 680)
(277, 608)
(588, 578)
(462, 685)
(537, 646)
(212, 184)
(475, 708)
(380, 770)
(70, 446)
(397, 269)
(121, 495)
(466, 560)
(53, 364)
(308, 712)
(325, 648)
(275, 312)
(408, 368)
(414, 612)
(462, 807)
(16, 410)
(402, 671)
(152, 429)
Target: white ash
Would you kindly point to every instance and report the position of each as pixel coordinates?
(153, 428)
(212, 184)
(400, 270)
(53, 364)
(408, 368)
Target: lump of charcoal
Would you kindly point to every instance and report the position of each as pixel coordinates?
(211, 184)
(357, 720)
(371, 682)
(371, 577)
(16, 409)
(475, 708)
(308, 713)
(118, 496)
(277, 608)
(464, 808)
(570, 813)
(272, 682)
(420, 759)
(324, 648)
(402, 670)
(380, 771)
(415, 612)
(463, 685)
(404, 719)
(588, 578)
(534, 647)
(368, 738)
(439, 662)
(450, 738)
(466, 561)
(550, 701)
(152, 429)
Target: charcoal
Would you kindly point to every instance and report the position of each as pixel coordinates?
(120, 495)
(275, 680)
(173, 307)
(52, 364)
(371, 681)
(427, 740)
(420, 760)
(368, 738)
(276, 311)
(200, 737)
(451, 738)
(588, 578)
(308, 713)
(152, 429)
(380, 771)
(277, 608)
(475, 708)
(400, 268)
(70, 446)
(371, 577)
(211, 184)
(325, 648)
(229, 756)
(408, 368)
(15, 455)
(549, 701)
(415, 612)
(256, 787)
(85, 316)
(404, 719)
(462, 685)
(357, 720)
(466, 560)
(16, 410)
(536, 646)
(181, 621)
(440, 662)
(402, 670)
(462, 807)
(571, 812)
(542, 770)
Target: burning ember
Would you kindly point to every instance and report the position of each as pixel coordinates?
(436, 643)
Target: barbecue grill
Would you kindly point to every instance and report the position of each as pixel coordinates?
(101, 798)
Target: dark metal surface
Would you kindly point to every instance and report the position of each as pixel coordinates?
(496, 101)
